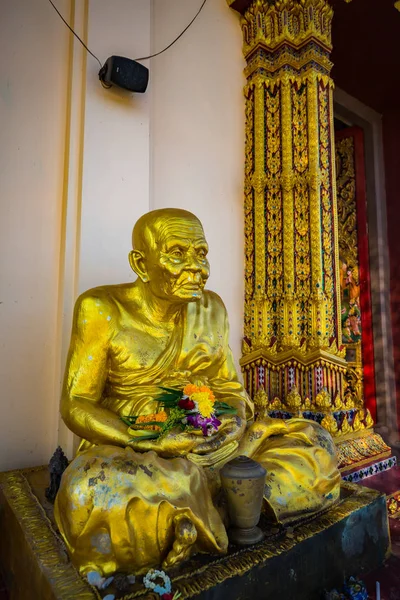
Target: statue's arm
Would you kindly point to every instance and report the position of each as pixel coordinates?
(86, 374)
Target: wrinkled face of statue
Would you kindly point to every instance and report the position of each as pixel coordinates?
(177, 267)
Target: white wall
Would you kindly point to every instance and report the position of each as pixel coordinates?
(110, 133)
(79, 164)
(33, 90)
(197, 135)
(116, 146)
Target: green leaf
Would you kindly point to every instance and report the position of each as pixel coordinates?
(229, 410)
(224, 407)
(146, 436)
(220, 404)
(128, 420)
(140, 426)
(172, 390)
(168, 398)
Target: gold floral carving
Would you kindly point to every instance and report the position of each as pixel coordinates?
(249, 209)
(302, 250)
(330, 424)
(357, 424)
(330, 258)
(258, 184)
(293, 400)
(260, 400)
(348, 248)
(360, 448)
(354, 386)
(347, 210)
(323, 400)
(338, 404)
(369, 422)
(273, 209)
(346, 428)
(294, 21)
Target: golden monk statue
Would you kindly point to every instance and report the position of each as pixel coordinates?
(132, 505)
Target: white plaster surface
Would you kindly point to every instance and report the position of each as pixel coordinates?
(71, 193)
(197, 135)
(33, 90)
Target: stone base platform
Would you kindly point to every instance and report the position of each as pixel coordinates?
(299, 562)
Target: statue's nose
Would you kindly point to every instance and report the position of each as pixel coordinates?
(194, 264)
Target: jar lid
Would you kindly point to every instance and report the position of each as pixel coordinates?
(243, 467)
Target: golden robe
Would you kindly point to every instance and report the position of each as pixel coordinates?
(118, 509)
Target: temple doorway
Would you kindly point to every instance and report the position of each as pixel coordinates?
(355, 285)
(366, 66)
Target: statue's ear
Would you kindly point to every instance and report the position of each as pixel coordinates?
(138, 264)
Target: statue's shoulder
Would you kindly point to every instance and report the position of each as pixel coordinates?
(211, 301)
(99, 298)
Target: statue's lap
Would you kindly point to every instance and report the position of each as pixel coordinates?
(117, 509)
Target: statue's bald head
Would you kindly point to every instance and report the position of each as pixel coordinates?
(170, 255)
(152, 228)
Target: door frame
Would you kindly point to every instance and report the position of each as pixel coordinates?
(353, 112)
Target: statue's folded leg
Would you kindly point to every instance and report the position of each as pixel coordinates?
(121, 510)
(184, 538)
(300, 458)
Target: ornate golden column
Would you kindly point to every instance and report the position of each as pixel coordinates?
(293, 359)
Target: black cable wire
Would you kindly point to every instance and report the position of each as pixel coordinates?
(75, 34)
(143, 57)
(177, 38)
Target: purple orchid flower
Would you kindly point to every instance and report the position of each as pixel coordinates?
(209, 425)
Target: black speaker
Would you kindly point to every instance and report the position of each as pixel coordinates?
(125, 73)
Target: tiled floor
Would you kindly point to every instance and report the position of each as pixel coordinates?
(388, 481)
(389, 574)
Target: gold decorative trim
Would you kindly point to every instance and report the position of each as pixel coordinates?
(286, 21)
(301, 354)
(393, 505)
(361, 450)
(366, 461)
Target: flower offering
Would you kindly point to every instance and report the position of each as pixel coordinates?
(191, 408)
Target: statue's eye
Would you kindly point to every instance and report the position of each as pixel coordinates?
(201, 253)
(177, 253)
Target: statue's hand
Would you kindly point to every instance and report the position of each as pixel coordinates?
(231, 429)
(175, 443)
